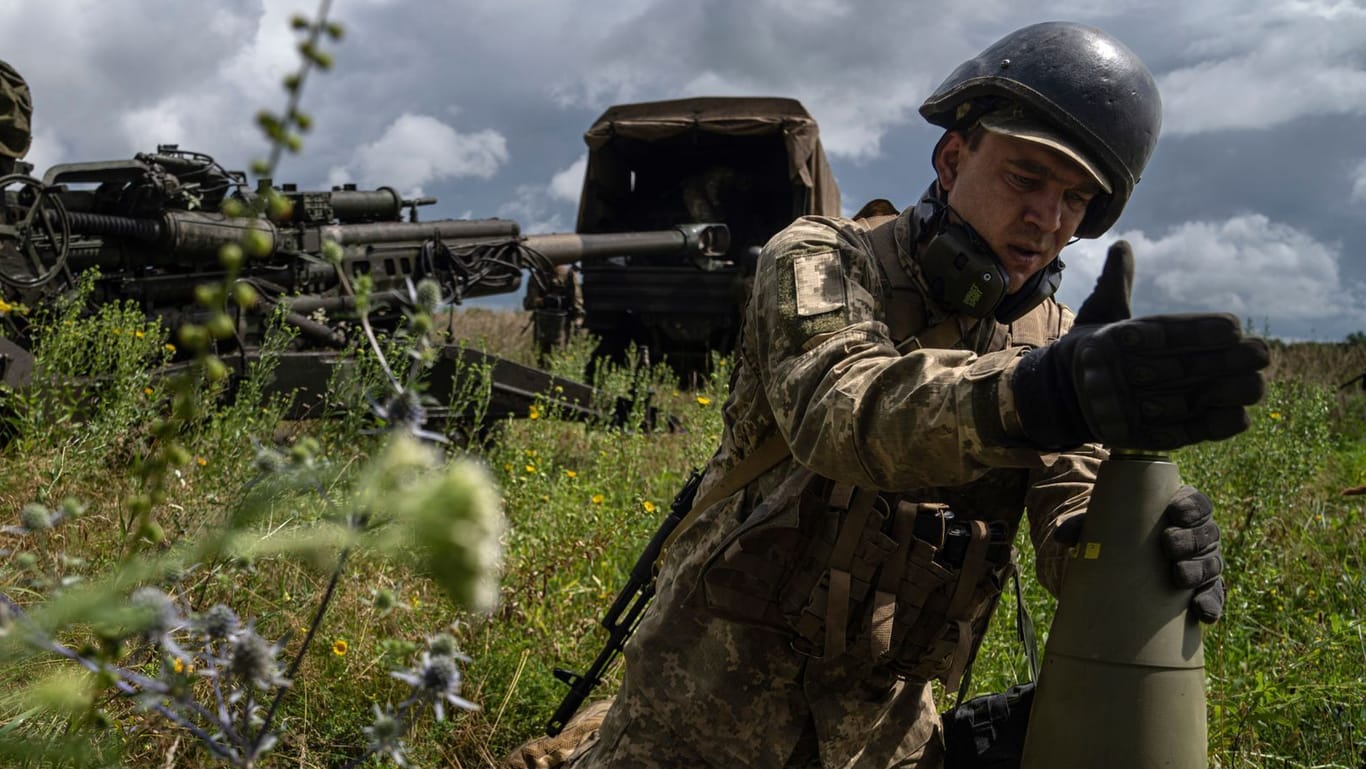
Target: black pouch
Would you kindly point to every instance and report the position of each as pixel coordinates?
(988, 732)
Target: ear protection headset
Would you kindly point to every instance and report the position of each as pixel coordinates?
(963, 273)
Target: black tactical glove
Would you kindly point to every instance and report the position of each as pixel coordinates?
(1189, 540)
(1157, 383)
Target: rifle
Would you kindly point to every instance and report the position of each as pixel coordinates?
(154, 226)
(624, 614)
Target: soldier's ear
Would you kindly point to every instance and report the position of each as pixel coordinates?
(948, 154)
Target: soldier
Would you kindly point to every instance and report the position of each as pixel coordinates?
(16, 110)
(555, 299)
(906, 389)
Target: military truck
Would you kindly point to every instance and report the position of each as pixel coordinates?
(753, 163)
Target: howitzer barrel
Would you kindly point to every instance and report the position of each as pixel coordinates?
(392, 232)
(708, 240)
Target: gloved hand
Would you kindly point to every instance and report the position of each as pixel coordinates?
(1190, 541)
(1157, 383)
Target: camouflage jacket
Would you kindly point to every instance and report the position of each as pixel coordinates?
(816, 365)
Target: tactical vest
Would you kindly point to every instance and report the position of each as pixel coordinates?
(904, 581)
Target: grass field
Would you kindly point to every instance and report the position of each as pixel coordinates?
(1286, 668)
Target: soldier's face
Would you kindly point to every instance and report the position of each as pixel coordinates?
(1025, 200)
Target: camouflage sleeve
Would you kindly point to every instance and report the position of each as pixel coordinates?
(850, 406)
(1061, 490)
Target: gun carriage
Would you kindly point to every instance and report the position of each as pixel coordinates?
(154, 225)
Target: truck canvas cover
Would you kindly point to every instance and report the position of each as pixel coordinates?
(626, 130)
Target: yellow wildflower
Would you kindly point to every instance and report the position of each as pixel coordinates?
(534, 413)
(169, 347)
(1276, 415)
(597, 499)
(339, 647)
(146, 391)
(5, 307)
(571, 474)
(139, 334)
(703, 400)
(648, 505)
(178, 665)
(201, 461)
(531, 468)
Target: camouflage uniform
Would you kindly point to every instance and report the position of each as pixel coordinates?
(16, 110)
(817, 365)
(555, 300)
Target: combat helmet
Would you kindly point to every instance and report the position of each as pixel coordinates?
(1082, 81)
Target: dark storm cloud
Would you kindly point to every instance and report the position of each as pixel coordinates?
(483, 104)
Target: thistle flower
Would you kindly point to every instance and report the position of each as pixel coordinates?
(404, 408)
(35, 517)
(268, 460)
(406, 412)
(436, 679)
(218, 623)
(156, 609)
(444, 645)
(252, 660)
(384, 736)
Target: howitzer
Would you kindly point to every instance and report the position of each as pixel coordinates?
(154, 227)
(624, 614)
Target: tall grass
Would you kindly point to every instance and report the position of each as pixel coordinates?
(1285, 667)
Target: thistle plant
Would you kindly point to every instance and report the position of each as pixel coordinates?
(214, 674)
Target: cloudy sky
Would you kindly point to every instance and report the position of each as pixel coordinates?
(1253, 203)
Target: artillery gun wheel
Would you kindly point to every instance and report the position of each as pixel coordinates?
(35, 244)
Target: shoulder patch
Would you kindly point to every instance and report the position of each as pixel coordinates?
(819, 282)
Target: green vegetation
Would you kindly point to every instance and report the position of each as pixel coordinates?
(1286, 667)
